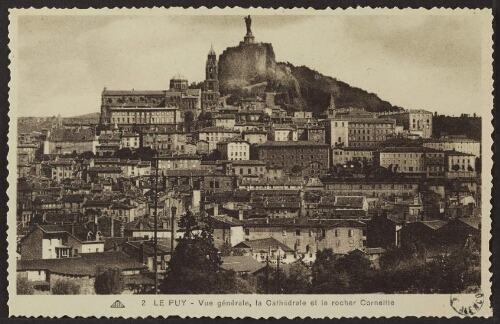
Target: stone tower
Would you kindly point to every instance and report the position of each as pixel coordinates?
(331, 110)
(210, 95)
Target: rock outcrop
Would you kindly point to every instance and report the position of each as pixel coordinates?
(299, 88)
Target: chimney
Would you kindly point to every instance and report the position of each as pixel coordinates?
(216, 209)
(112, 227)
(72, 227)
(267, 220)
(240, 214)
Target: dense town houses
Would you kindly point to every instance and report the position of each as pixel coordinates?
(276, 184)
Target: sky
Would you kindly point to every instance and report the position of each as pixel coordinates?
(430, 62)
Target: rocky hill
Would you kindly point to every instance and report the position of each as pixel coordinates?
(301, 88)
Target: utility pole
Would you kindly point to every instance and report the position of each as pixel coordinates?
(156, 226)
(172, 225)
(267, 270)
(278, 270)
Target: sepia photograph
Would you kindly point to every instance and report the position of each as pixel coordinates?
(237, 152)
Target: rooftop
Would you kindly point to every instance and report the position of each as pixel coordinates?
(264, 245)
(85, 264)
(293, 144)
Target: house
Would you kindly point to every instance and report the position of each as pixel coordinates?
(244, 168)
(73, 202)
(372, 254)
(144, 228)
(409, 210)
(144, 251)
(458, 232)
(130, 140)
(347, 207)
(179, 162)
(55, 242)
(224, 120)
(309, 235)
(283, 133)
(255, 136)
(234, 149)
(262, 249)
(214, 135)
(242, 265)
(82, 269)
(424, 233)
(227, 230)
(383, 231)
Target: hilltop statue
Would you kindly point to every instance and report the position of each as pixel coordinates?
(249, 39)
(248, 22)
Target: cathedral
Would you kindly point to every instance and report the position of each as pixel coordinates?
(127, 108)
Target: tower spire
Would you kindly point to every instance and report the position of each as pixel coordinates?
(211, 52)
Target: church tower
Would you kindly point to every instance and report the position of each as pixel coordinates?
(210, 95)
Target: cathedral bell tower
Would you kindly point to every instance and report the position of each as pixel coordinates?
(210, 95)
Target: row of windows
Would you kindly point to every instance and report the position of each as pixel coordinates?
(298, 232)
(142, 120)
(370, 186)
(141, 113)
(367, 131)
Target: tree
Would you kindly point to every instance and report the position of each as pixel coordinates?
(298, 279)
(455, 167)
(65, 287)
(296, 169)
(87, 155)
(123, 153)
(109, 281)
(325, 277)
(188, 120)
(194, 267)
(144, 154)
(24, 286)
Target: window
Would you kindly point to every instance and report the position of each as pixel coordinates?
(337, 233)
(247, 231)
(297, 232)
(351, 233)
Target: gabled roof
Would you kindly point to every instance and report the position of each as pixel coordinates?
(85, 264)
(474, 222)
(349, 201)
(225, 220)
(241, 264)
(264, 245)
(434, 224)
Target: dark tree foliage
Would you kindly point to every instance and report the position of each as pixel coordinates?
(144, 154)
(188, 121)
(342, 274)
(109, 281)
(298, 280)
(65, 287)
(87, 155)
(463, 125)
(123, 153)
(24, 286)
(195, 264)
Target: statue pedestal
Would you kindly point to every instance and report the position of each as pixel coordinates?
(249, 39)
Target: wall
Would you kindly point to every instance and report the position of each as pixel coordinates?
(31, 246)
